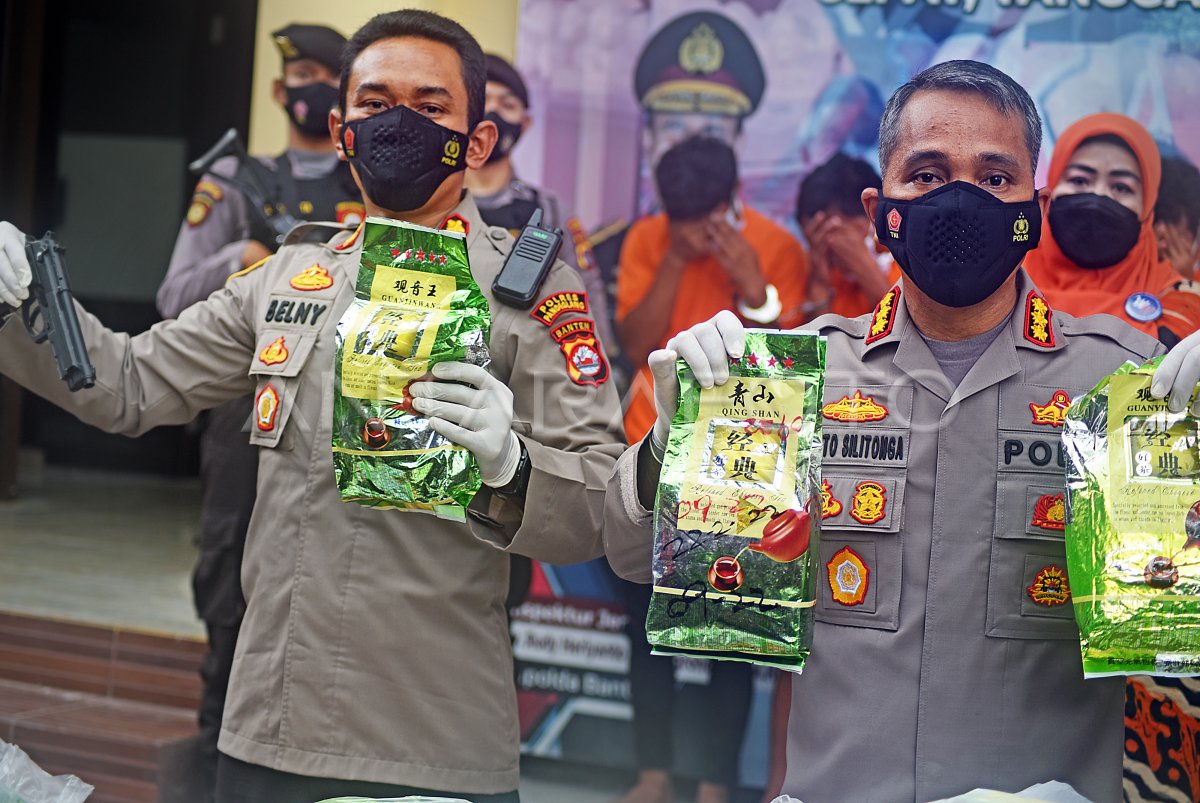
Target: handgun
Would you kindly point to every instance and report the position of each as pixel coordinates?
(248, 180)
(50, 300)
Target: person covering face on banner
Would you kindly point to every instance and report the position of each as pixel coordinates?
(1099, 252)
(939, 663)
(375, 657)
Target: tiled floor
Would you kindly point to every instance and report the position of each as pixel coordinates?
(116, 549)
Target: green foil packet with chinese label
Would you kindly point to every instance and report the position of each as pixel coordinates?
(735, 547)
(1133, 528)
(415, 305)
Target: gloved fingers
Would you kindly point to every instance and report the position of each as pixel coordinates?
(469, 418)
(713, 345)
(1183, 384)
(1168, 369)
(733, 333)
(455, 434)
(692, 352)
(15, 274)
(464, 372)
(445, 391)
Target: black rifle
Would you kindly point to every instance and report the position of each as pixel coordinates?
(249, 181)
(50, 300)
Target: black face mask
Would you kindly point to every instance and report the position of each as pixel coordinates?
(1093, 231)
(402, 157)
(509, 134)
(308, 107)
(958, 243)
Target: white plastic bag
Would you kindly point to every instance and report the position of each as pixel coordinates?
(22, 781)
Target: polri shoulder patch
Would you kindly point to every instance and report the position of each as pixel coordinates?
(884, 316)
(349, 213)
(586, 364)
(1039, 328)
(554, 306)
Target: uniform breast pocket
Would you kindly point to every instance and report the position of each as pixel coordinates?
(279, 358)
(858, 571)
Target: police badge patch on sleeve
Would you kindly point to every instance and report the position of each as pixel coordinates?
(585, 360)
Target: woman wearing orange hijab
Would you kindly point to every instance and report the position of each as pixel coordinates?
(1098, 251)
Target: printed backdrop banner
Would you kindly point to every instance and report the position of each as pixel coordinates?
(828, 67)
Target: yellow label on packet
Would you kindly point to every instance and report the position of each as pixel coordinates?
(391, 348)
(412, 288)
(742, 462)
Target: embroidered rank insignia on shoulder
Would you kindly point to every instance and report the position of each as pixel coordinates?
(859, 409)
(266, 407)
(585, 361)
(554, 306)
(350, 213)
(848, 577)
(1049, 587)
(312, 278)
(1050, 513)
(584, 256)
(869, 504)
(456, 223)
(830, 506)
(1039, 328)
(884, 317)
(275, 353)
(349, 242)
(211, 189)
(1053, 412)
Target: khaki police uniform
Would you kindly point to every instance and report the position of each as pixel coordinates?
(375, 643)
(945, 655)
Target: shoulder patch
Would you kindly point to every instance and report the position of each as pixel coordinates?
(211, 189)
(456, 223)
(586, 364)
(349, 213)
(251, 269)
(198, 210)
(584, 257)
(884, 316)
(1039, 324)
(554, 306)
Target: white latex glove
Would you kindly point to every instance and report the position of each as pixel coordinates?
(477, 416)
(15, 275)
(707, 348)
(1178, 373)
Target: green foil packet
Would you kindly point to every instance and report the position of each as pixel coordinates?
(1133, 528)
(735, 548)
(415, 305)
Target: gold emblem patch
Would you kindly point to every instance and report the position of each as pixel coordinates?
(198, 211)
(857, 409)
(848, 577)
(830, 506)
(869, 504)
(275, 353)
(312, 278)
(1050, 513)
(1053, 412)
(701, 52)
(1050, 587)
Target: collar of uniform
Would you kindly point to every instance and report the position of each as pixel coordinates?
(1033, 324)
(466, 209)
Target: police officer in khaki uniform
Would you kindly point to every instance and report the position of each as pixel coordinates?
(374, 657)
(224, 233)
(945, 655)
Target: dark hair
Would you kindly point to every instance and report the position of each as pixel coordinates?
(422, 25)
(696, 176)
(1179, 193)
(836, 186)
(1000, 90)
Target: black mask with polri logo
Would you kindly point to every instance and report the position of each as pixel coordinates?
(509, 134)
(308, 107)
(1093, 231)
(402, 157)
(958, 243)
